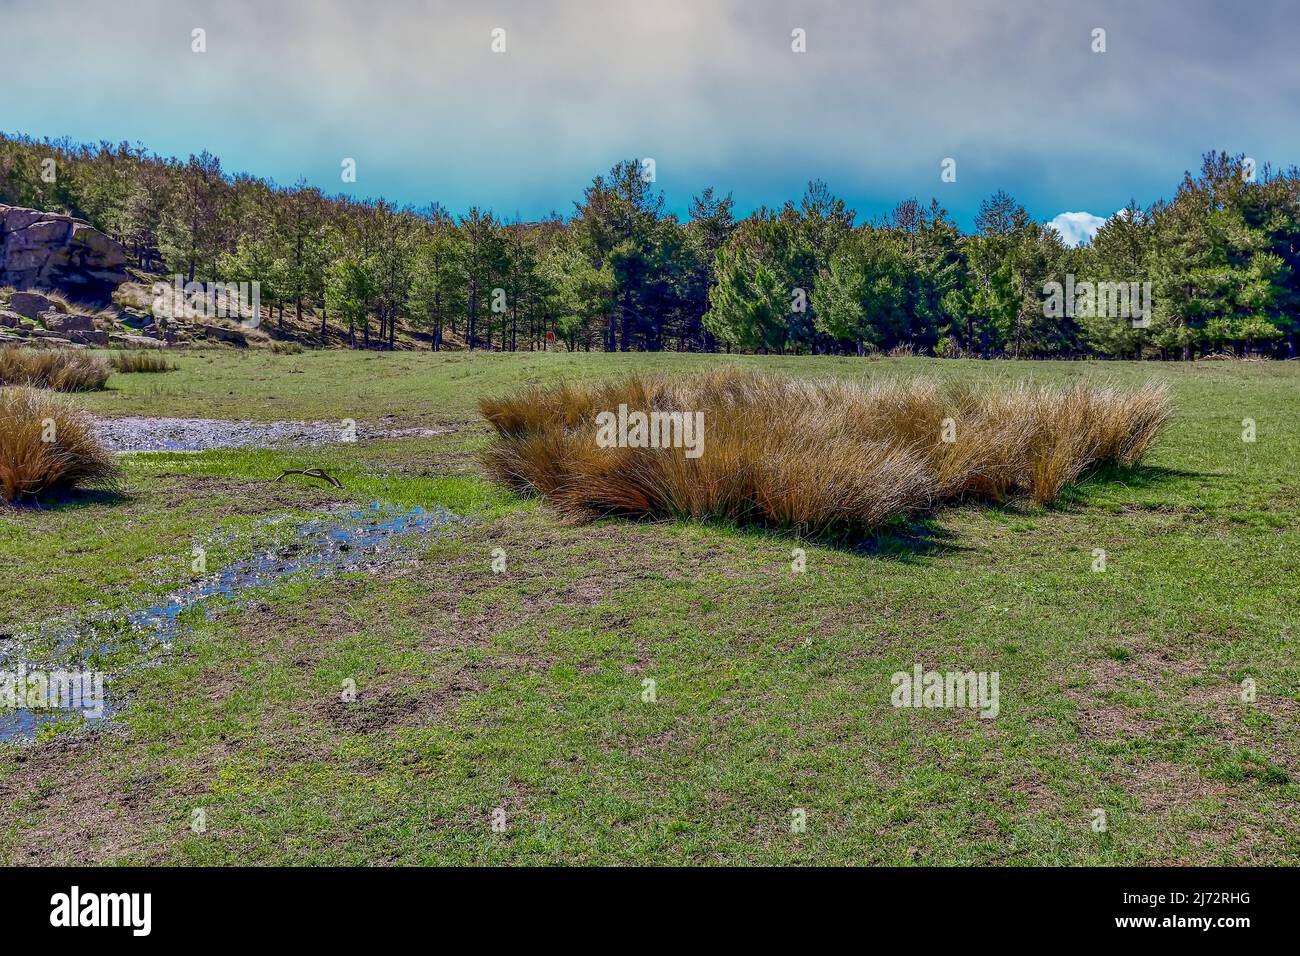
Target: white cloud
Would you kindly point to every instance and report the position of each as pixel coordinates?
(1076, 228)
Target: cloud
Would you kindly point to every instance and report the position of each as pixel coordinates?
(1076, 228)
(412, 90)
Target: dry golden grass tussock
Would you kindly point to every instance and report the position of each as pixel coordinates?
(64, 370)
(140, 360)
(816, 457)
(48, 444)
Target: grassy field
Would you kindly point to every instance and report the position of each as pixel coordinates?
(517, 697)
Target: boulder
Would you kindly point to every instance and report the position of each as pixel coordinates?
(89, 337)
(9, 320)
(66, 322)
(45, 250)
(30, 304)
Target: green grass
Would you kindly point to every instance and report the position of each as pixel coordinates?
(523, 690)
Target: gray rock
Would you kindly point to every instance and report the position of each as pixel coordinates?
(9, 320)
(29, 304)
(89, 337)
(63, 322)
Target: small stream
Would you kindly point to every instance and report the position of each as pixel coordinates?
(321, 547)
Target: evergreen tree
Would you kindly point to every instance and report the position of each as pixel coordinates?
(862, 296)
(190, 233)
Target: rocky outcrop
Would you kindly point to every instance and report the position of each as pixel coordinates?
(44, 250)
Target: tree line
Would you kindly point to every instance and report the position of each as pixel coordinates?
(622, 273)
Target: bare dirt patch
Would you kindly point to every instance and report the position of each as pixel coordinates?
(80, 816)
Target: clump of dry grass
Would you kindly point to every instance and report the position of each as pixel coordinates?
(59, 302)
(48, 444)
(64, 370)
(817, 457)
(140, 360)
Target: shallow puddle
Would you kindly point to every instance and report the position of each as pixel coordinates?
(320, 548)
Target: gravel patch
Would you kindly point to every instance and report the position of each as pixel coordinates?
(202, 434)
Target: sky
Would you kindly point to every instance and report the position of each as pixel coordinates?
(711, 90)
